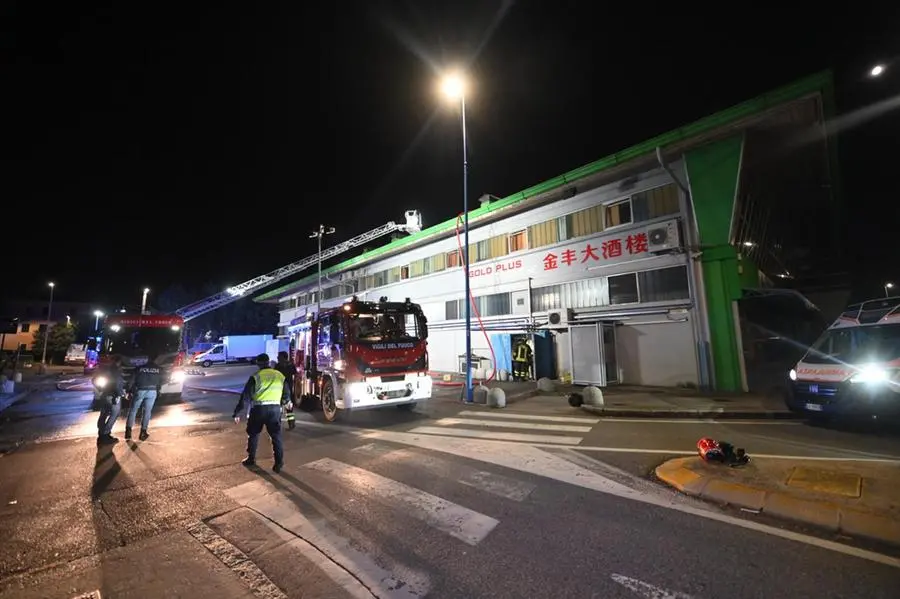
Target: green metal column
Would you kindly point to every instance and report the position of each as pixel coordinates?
(713, 172)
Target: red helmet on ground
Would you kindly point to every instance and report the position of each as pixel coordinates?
(709, 448)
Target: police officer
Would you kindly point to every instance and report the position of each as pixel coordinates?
(111, 395)
(144, 391)
(285, 367)
(264, 394)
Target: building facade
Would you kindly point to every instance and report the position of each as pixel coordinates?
(627, 270)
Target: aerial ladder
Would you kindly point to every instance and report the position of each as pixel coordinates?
(413, 224)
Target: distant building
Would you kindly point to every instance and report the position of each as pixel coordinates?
(638, 268)
(32, 316)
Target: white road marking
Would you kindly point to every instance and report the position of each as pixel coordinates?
(516, 416)
(336, 573)
(532, 460)
(265, 499)
(460, 522)
(563, 428)
(648, 590)
(522, 438)
(713, 421)
(489, 482)
(236, 561)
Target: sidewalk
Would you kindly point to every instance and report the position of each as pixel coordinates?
(855, 498)
(646, 404)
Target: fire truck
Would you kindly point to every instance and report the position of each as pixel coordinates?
(363, 355)
(134, 338)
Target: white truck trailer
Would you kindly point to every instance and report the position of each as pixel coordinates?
(234, 348)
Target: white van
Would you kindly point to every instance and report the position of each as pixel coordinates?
(853, 369)
(76, 354)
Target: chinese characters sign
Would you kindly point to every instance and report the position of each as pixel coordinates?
(608, 249)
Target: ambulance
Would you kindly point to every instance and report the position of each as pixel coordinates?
(853, 369)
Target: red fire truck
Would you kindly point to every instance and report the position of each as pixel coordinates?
(134, 337)
(363, 355)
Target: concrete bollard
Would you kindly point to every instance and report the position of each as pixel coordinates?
(480, 394)
(593, 396)
(546, 385)
(496, 398)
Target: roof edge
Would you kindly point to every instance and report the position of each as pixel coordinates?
(822, 82)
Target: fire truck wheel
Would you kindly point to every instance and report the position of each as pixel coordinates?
(329, 409)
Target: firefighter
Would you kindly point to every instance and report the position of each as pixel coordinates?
(111, 383)
(521, 360)
(263, 395)
(144, 391)
(285, 367)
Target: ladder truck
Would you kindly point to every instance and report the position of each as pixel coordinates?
(413, 224)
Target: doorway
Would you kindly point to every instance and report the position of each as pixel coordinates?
(593, 354)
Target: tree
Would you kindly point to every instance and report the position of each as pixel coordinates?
(59, 339)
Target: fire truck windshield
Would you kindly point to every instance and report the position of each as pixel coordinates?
(142, 341)
(378, 326)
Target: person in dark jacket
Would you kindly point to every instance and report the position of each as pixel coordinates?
(285, 367)
(263, 395)
(145, 388)
(111, 384)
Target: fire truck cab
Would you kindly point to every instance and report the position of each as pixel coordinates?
(363, 355)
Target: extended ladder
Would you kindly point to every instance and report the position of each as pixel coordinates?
(413, 224)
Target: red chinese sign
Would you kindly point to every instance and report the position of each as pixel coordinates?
(607, 250)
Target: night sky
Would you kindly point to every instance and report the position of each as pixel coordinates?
(169, 144)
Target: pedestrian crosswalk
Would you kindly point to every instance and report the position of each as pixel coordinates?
(341, 510)
(510, 426)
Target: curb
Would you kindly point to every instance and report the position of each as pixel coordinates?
(823, 514)
(716, 414)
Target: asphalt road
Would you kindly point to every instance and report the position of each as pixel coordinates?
(382, 505)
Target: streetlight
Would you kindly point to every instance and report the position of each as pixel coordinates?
(144, 300)
(68, 320)
(453, 85)
(322, 232)
(877, 70)
(886, 287)
(97, 316)
(47, 330)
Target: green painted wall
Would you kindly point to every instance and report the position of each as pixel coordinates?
(713, 172)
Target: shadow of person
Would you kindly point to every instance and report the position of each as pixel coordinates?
(106, 468)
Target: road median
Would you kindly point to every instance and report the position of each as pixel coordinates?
(856, 498)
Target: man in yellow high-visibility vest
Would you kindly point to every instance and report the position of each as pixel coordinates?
(264, 395)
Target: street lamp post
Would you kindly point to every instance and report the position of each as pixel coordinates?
(97, 315)
(454, 88)
(144, 300)
(322, 232)
(888, 286)
(47, 330)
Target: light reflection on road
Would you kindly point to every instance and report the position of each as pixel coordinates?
(51, 414)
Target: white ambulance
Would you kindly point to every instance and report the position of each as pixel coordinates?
(853, 369)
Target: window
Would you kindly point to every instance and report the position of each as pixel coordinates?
(26, 327)
(623, 289)
(577, 294)
(653, 203)
(404, 272)
(453, 259)
(584, 222)
(479, 251)
(518, 241)
(663, 284)
(618, 213)
(42, 328)
(498, 304)
(438, 262)
(545, 233)
(498, 246)
(394, 275)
